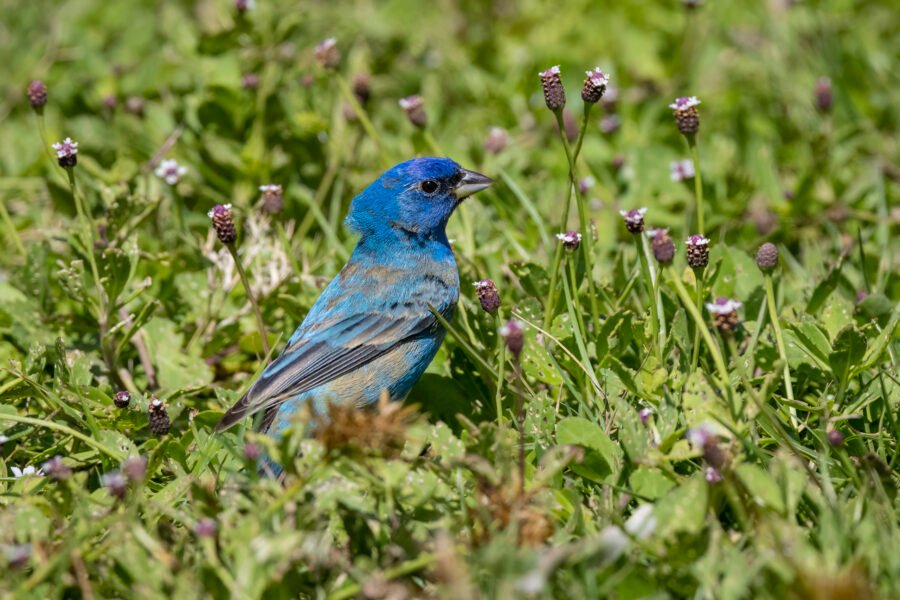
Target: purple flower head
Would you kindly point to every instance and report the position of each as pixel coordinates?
(135, 468)
(594, 86)
(610, 124)
(723, 306)
(488, 295)
(122, 399)
(327, 54)
(585, 184)
(712, 475)
(243, 6)
(273, 198)
(66, 152)
(206, 527)
(415, 110)
(835, 438)
(645, 414)
(554, 92)
(684, 103)
(252, 451)
(57, 469)
(115, 482)
(681, 170)
(170, 171)
(696, 240)
(570, 239)
(514, 336)
(223, 223)
(37, 95)
(496, 141)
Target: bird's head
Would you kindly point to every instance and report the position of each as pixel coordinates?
(416, 197)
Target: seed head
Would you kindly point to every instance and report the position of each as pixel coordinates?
(697, 250)
(158, 417)
(170, 171)
(135, 468)
(824, 96)
(252, 452)
(206, 527)
(362, 87)
(687, 117)
(122, 399)
(514, 336)
(554, 92)
(609, 125)
(681, 170)
(66, 153)
(135, 106)
(327, 54)
(57, 469)
(594, 86)
(415, 110)
(662, 245)
(496, 141)
(272, 198)
(115, 482)
(223, 223)
(242, 6)
(37, 95)
(634, 219)
(570, 240)
(488, 295)
(712, 475)
(767, 257)
(835, 438)
(250, 81)
(725, 315)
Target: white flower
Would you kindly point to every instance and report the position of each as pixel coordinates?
(723, 306)
(696, 240)
(270, 188)
(212, 211)
(681, 170)
(569, 237)
(597, 77)
(65, 148)
(554, 70)
(29, 470)
(685, 102)
(3, 439)
(170, 171)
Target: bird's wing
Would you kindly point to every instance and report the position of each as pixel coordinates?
(335, 345)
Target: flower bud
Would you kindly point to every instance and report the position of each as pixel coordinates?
(514, 336)
(135, 106)
(488, 295)
(37, 95)
(697, 251)
(122, 399)
(681, 170)
(634, 219)
(66, 153)
(662, 245)
(362, 87)
(644, 414)
(609, 125)
(554, 92)
(158, 417)
(252, 452)
(135, 468)
(570, 240)
(725, 315)
(272, 198)
(496, 141)
(327, 54)
(206, 527)
(115, 482)
(835, 438)
(824, 96)
(57, 469)
(415, 110)
(687, 117)
(767, 257)
(594, 86)
(242, 6)
(223, 223)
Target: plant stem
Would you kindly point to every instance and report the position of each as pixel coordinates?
(259, 320)
(361, 114)
(13, 234)
(779, 340)
(701, 326)
(695, 352)
(698, 183)
(501, 369)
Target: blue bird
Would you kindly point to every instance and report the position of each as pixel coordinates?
(372, 328)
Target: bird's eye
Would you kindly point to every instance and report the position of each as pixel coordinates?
(430, 186)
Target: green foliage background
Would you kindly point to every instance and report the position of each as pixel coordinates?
(793, 516)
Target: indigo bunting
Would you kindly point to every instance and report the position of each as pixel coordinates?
(372, 329)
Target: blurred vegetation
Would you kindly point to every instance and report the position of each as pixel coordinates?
(797, 146)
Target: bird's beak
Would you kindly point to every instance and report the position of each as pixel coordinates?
(471, 183)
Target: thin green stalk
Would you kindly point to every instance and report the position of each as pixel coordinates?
(551, 293)
(361, 114)
(13, 234)
(713, 348)
(655, 283)
(779, 341)
(695, 352)
(501, 370)
(256, 311)
(63, 429)
(698, 184)
(650, 283)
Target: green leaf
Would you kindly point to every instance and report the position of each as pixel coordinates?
(849, 351)
(650, 483)
(763, 490)
(603, 459)
(683, 509)
(824, 289)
